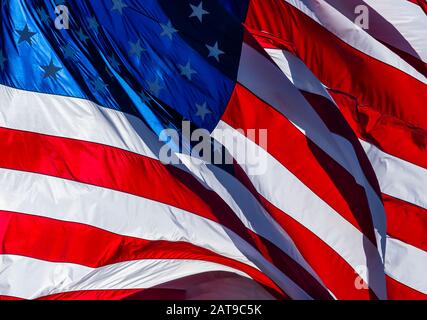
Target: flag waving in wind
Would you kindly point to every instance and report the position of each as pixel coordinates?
(251, 149)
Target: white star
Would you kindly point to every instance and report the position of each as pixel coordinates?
(50, 70)
(82, 36)
(119, 6)
(186, 70)
(214, 51)
(136, 48)
(68, 51)
(198, 11)
(93, 24)
(154, 87)
(113, 61)
(168, 30)
(202, 110)
(99, 85)
(44, 17)
(25, 35)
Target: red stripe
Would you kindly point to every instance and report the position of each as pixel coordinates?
(399, 291)
(269, 41)
(131, 294)
(333, 119)
(123, 294)
(128, 172)
(340, 66)
(406, 222)
(47, 242)
(322, 174)
(9, 298)
(417, 63)
(383, 131)
(334, 271)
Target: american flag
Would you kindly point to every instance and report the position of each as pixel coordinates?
(88, 209)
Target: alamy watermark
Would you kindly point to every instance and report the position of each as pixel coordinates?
(62, 20)
(244, 147)
(362, 273)
(362, 16)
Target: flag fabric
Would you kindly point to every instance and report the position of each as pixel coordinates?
(377, 78)
(88, 209)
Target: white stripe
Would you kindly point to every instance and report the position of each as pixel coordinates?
(74, 118)
(349, 32)
(274, 87)
(298, 73)
(398, 178)
(128, 215)
(406, 264)
(279, 186)
(30, 278)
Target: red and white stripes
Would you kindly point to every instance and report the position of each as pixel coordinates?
(303, 157)
(387, 115)
(340, 212)
(110, 179)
